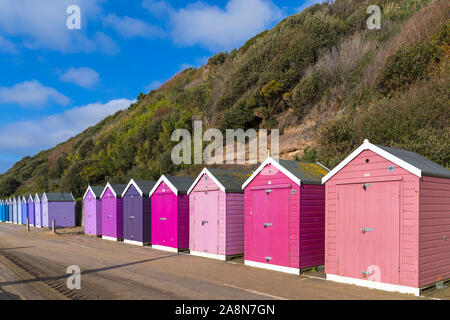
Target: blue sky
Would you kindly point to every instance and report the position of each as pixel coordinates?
(56, 82)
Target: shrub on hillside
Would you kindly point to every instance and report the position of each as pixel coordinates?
(407, 65)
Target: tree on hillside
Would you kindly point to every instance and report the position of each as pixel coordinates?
(8, 187)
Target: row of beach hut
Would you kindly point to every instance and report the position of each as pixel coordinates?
(39, 210)
(380, 219)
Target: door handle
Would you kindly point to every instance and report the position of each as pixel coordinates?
(109, 216)
(163, 219)
(268, 259)
(131, 217)
(204, 222)
(267, 225)
(364, 230)
(365, 273)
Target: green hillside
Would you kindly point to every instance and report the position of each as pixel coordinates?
(389, 85)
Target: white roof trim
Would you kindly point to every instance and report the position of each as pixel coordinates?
(164, 179)
(132, 182)
(87, 191)
(108, 185)
(277, 165)
(323, 166)
(36, 198)
(369, 146)
(32, 198)
(209, 174)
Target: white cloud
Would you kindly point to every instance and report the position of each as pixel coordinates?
(42, 25)
(31, 93)
(215, 28)
(158, 8)
(27, 137)
(7, 46)
(128, 27)
(83, 77)
(308, 3)
(153, 86)
(185, 66)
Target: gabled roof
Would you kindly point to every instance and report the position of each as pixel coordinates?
(227, 180)
(410, 161)
(96, 191)
(116, 189)
(58, 197)
(297, 171)
(38, 196)
(176, 184)
(142, 186)
(30, 197)
(24, 198)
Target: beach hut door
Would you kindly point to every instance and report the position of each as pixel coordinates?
(369, 231)
(270, 223)
(206, 221)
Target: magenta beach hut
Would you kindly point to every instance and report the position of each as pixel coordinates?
(285, 216)
(170, 213)
(137, 212)
(112, 212)
(92, 205)
(31, 214)
(38, 210)
(217, 214)
(388, 220)
(58, 207)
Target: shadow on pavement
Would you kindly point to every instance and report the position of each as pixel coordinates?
(4, 295)
(11, 283)
(17, 248)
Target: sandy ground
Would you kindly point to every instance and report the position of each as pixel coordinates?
(33, 266)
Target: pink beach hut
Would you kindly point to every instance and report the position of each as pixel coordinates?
(112, 212)
(285, 216)
(388, 220)
(92, 205)
(217, 213)
(170, 213)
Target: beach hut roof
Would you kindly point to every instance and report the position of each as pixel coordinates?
(59, 197)
(227, 180)
(116, 189)
(408, 160)
(96, 191)
(176, 184)
(142, 186)
(297, 171)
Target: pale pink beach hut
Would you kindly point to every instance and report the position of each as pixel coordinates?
(217, 213)
(388, 220)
